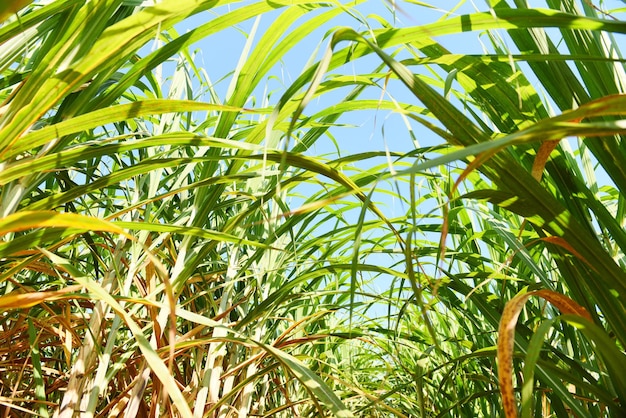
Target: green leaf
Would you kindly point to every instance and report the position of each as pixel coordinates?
(310, 380)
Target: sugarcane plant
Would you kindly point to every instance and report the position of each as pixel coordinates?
(176, 244)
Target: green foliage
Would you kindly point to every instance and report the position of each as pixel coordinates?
(178, 246)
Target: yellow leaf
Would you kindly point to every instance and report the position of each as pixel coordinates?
(17, 300)
(23, 221)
